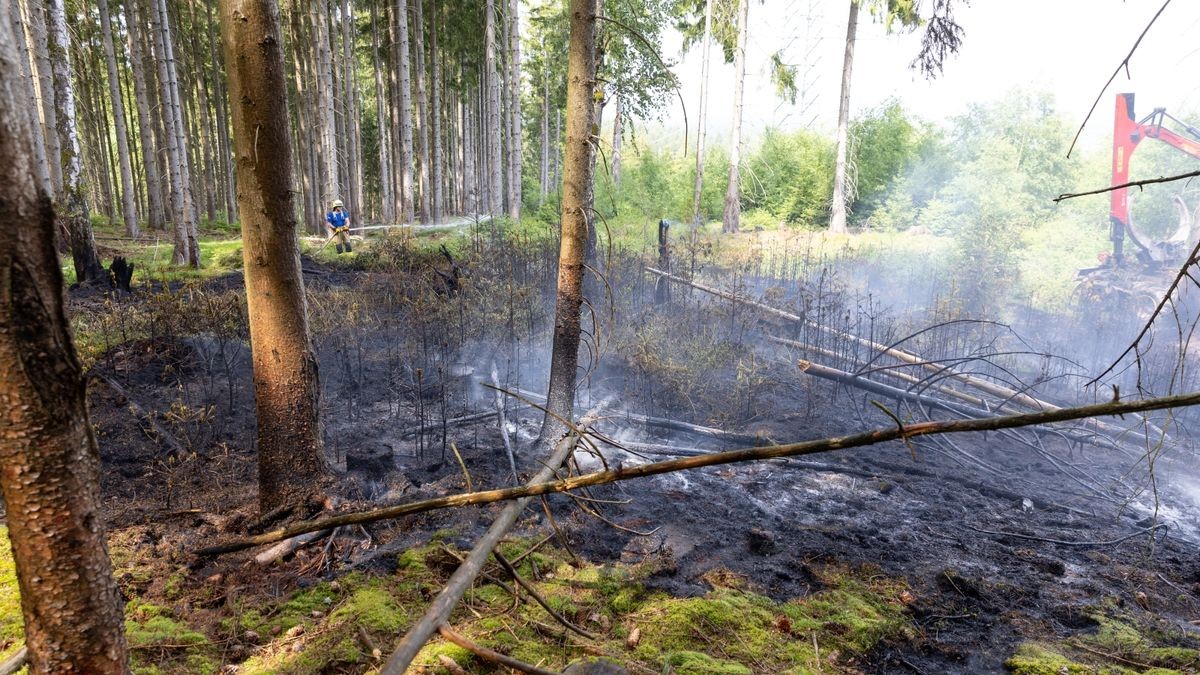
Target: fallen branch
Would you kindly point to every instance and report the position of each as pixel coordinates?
(287, 546)
(490, 655)
(871, 437)
(1064, 542)
(439, 610)
(451, 423)
(15, 662)
(512, 461)
(508, 568)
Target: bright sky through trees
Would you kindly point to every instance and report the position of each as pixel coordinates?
(1067, 46)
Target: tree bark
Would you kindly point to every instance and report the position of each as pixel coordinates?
(386, 198)
(697, 216)
(514, 111)
(351, 121)
(837, 216)
(493, 171)
(327, 124)
(576, 207)
(291, 458)
(156, 218)
(615, 160)
(436, 187)
(406, 126)
(73, 216)
(733, 193)
(186, 248)
(38, 17)
(128, 206)
(422, 107)
(544, 175)
(49, 464)
(41, 161)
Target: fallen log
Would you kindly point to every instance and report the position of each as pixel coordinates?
(454, 422)
(287, 546)
(439, 610)
(15, 662)
(870, 437)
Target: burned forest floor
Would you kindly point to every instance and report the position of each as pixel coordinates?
(1071, 549)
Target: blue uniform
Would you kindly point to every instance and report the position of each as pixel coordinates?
(341, 237)
(336, 219)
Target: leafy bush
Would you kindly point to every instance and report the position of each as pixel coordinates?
(791, 177)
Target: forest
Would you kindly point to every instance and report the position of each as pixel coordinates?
(592, 337)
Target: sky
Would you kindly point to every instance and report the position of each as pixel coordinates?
(1069, 47)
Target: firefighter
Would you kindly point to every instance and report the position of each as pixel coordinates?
(338, 222)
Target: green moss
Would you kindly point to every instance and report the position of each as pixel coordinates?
(695, 663)
(12, 623)
(372, 608)
(1036, 659)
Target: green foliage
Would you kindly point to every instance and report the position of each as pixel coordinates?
(885, 143)
(791, 177)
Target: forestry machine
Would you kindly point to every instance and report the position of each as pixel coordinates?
(1119, 282)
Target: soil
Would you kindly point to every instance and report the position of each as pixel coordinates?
(1002, 538)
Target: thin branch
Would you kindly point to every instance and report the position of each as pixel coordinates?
(865, 438)
(491, 655)
(1134, 183)
(1063, 542)
(1124, 64)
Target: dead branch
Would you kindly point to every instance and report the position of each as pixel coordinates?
(439, 610)
(508, 568)
(451, 423)
(15, 662)
(512, 461)
(1132, 183)
(865, 438)
(165, 437)
(1064, 542)
(694, 429)
(287, 546)
(490, 655)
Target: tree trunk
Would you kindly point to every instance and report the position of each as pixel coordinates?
(544, 175)
(291, 459)
(435, 116)
(616, 144)
(327, 124)
(49, 464)
(841, 196)
(493, 172)
(29, 91)
(181, 210)
(514, 111)
(225, 166)
(39, 41)
(406, 122)
(128, 207)
(470, 204)
(386, 198)
(733, 193)
(150, 160)
(697, 216)
(576, 203)
(351, 123)
(418, 27)
(73, 216)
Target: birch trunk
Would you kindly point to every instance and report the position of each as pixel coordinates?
(128, 206)
(616, 143)
(733, 193)
(841, 197)
(576, 204)
(291, 459)
(49, 464)
(73, 209)
(697, 217)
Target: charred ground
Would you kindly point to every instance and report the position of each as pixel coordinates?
(1008, 544)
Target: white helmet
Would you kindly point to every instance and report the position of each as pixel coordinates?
(337, 203)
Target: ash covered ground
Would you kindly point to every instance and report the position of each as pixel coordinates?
(1004, 537)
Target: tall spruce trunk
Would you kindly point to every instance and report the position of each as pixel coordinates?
(291, 460)
(470, 190)
(225, 165)
(841, 196)
(697, 216)
(327, 124)
(49, 463)
(186, 247)
(72, 205)
(37, 15)
(493, 171)
(386, 198)
(408, 194)
(155, 216)
(733, 193)
(576, 205)
(183, 148)
(437, 187)
(544, 164)
(353, 132)
(128, 205)
(514, 111)
(418, 26)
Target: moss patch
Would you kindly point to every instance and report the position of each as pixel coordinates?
(1120, 644)
(12, 624)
